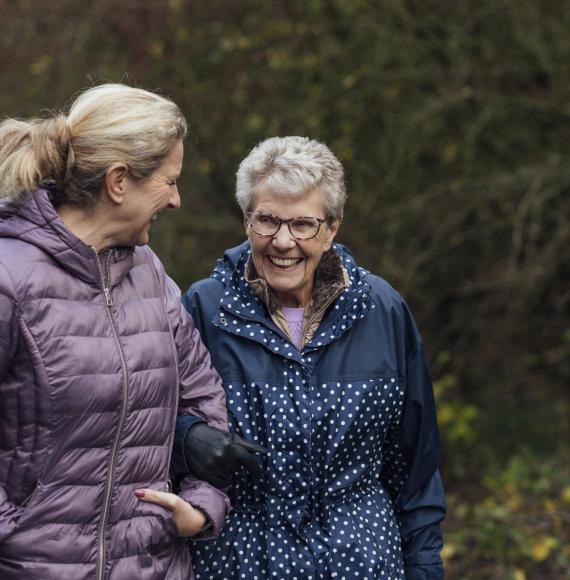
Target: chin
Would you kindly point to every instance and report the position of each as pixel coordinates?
(142, 240)
(286, 289)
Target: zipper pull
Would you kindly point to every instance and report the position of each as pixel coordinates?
(108, 299)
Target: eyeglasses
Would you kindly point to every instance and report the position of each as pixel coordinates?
(301, 228)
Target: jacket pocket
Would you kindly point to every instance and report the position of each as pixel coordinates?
(32, 496)
(26, 512)
(156, 522)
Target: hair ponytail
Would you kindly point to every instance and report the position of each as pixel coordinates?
(51, 140)
(33, 153)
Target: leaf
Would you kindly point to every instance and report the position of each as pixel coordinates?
(542, 547)
(41, 65)
(448, 551)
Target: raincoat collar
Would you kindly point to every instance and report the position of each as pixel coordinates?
(242, 306)
(330, 280)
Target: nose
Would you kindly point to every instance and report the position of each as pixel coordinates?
(174, 199)
(282, 239)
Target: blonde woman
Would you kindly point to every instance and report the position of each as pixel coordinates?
(97, 356)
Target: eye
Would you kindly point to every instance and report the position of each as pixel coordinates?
(303, 224)
(266, 220)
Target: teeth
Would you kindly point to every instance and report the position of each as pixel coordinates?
(154, 217)
(284, 261)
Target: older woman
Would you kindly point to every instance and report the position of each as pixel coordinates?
(323, 365)
(96, 353)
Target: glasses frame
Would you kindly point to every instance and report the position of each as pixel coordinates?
(321, 221)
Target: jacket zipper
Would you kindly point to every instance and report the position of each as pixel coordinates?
(115, 447)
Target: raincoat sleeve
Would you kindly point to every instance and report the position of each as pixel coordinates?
(201, 395)
(9, 512)
(411, 464)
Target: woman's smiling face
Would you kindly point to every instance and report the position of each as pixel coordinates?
(146, 198)
(288, 265)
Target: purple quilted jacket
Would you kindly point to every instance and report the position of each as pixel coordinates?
(97, 356)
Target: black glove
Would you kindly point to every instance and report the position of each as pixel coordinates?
(214, 455)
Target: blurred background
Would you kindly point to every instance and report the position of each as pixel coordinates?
(452, 120)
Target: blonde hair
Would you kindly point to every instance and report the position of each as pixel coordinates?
(292, 166)
(106, 124)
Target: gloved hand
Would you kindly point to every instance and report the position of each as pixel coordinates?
(214, 455)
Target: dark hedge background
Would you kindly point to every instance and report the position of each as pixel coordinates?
(453, 122)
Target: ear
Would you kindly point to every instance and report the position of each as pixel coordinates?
(332, 231)
(115, 182)
(245, 222)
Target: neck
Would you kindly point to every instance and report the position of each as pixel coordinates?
(92, 226)
(295, 300)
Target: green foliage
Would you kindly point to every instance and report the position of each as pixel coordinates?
(520, 529)
(453, 122)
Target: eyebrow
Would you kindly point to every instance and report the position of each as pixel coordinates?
(297, 217)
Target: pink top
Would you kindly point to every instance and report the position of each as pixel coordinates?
(294, 317)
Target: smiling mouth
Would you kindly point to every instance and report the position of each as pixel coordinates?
(284, 262)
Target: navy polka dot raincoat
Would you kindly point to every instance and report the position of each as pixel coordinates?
(350, 487)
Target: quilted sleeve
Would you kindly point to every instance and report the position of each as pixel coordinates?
(8, 321)
(9, 512)
(200, 395)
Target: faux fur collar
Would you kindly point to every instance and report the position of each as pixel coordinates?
(330, 278)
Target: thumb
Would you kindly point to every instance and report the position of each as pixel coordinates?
(249, 445)
(167, 500)
(248, 461)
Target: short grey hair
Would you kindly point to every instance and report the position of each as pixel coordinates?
(292, 166)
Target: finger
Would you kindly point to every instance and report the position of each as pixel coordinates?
(248, 461)
(250, 445)
(167, 500)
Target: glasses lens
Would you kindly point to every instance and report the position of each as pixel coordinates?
(264, 224)
(304, 228)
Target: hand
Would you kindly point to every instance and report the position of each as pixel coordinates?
(214, 455)
(189, 520)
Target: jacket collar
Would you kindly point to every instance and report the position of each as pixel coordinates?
(239, 304)
(33, 219)
(330, 278)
